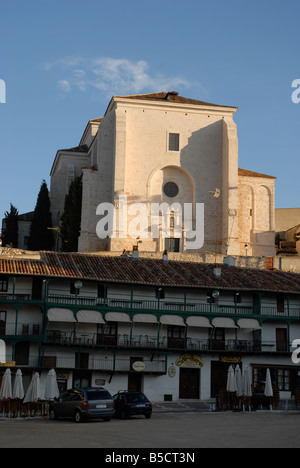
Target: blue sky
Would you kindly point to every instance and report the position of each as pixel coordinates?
(63, 60)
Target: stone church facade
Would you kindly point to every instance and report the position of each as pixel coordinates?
(164, 148)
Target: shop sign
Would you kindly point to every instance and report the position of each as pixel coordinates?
(172, 372)
(230, 359)
(8, 364)
(100, 382)
(190, 360)
(62, 376)
(138, 366)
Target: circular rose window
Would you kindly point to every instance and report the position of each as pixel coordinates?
(171, 189)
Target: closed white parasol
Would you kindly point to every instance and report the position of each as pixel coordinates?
(268, 387)
(33, 392)
(239, 381)
(18, 391)
(247, 390)
(231, 382)
(51, 390)
(6, 387)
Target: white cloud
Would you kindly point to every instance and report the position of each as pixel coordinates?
(111, 76)
(64, 86)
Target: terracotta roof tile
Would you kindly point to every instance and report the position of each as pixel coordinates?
(151, 272)
(23, 267)
(245, 173)
(171, 96)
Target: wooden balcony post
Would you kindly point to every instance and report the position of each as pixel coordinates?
(17, 319)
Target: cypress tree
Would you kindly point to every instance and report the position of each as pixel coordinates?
(71, 217)
(40, 236)
(10, 232)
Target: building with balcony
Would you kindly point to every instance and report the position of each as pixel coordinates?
(168, 328)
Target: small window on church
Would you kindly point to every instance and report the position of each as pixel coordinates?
(173, 141)
(171, 189)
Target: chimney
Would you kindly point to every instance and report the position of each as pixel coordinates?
(217, 272)
(165, 256)
(171, 96)
(135, 253)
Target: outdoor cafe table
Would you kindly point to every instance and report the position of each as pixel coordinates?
(260, 399)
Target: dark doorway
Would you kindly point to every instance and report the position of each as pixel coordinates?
(82, 360)
(218, 340)
(281, 339)
(176, 337)
(280, 303)
(135, 381)
(219, 374)
(189, 384)
(37, 289)
(22, 353)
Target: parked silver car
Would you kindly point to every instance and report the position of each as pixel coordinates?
(83, 403)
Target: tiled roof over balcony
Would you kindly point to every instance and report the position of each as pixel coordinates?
(22, 267)
(151, 272)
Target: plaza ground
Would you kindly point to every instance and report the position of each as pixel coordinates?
(164, 430)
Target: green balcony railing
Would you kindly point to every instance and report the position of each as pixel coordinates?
(167, 305)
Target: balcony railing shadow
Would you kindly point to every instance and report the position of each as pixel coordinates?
(195, 306)
(93, 340)
(21, 329)
(168, 305)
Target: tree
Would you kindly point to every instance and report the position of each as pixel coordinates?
(10, 231)
(71, 217)
(41, 238)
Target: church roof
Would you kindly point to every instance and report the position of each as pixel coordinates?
(151, 272)
(245, 173)
(76, 149)
(170, 96)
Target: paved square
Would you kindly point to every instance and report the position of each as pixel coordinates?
(164, 430)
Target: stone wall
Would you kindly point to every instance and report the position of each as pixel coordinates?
(134, 159)
(257, 216)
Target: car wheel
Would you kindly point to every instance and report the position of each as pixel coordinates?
(52, 414)
(148, 416)
(78, 417)
(107, 419)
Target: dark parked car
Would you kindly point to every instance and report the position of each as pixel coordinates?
(132, 403)
(83, 403)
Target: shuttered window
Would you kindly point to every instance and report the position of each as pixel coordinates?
(173, 141)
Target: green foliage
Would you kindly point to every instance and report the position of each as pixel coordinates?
(10, 230)
(41, 238)
(71, 217)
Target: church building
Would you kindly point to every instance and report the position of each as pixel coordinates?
(162, 148)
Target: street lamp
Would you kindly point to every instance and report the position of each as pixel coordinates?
(78, 285)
